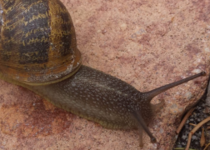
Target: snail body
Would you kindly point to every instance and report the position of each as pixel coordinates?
(38, 51)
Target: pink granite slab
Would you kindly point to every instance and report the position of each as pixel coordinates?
(143, 42)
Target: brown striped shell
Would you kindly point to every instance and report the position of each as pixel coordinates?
(37, 41)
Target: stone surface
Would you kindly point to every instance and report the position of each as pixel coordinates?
(145, 43)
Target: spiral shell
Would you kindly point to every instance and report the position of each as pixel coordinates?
(37, 41)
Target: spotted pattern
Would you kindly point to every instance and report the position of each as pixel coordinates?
(98, 97)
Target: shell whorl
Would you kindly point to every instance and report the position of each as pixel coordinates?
(37, 41)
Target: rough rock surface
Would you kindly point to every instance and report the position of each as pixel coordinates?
(143, 42)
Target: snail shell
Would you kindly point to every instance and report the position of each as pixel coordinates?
(37, 41)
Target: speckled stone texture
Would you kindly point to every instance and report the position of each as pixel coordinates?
(143, 42)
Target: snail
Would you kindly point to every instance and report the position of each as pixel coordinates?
(38, 51)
